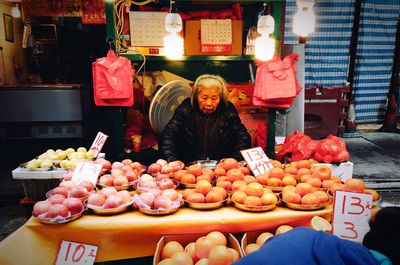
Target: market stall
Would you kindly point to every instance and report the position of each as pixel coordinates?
(133, 234)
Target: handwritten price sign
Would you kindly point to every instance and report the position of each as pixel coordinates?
(72, 253)
(257, 160)
(86, 171)
(351, 214)
(98, 143)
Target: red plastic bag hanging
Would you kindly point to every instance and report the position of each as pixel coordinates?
(276, 84)
(112, 81)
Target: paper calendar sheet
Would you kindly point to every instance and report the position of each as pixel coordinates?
(147, 28)
(216, 31)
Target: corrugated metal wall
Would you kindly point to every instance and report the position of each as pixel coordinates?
(327, 50)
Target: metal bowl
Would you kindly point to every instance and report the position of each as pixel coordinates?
(23, 167)
(60, 220)
(263, 208)
(205, 163)
(307, 207)
(274, 189)
(110, 211)
(159, 212)
(206, 205)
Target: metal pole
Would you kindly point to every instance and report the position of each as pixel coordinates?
(390, 122)
(350, 129)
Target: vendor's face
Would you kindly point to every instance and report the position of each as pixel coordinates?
(208, 99)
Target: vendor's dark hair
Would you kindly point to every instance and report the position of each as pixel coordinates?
(208, 81)
(384, 235)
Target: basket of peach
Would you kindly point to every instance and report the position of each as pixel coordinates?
(109, 200)
(304, 197)
(255, 198)
(204, 196)
(355, 185)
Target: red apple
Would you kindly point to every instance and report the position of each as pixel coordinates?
(116, 165)
(68, 184)
(170, 193)
(88, 185)
(74, 205)
(107, 191)
(120, 181)
(57, 210)
(105, 163)
(162, 202)
(148, 198)
(154, 168)
(41, 207)
(131, 176)
(125, 196)
(60, 190)
(57, 199)
(96, 199)
(78, 192)
(112, 201)
(166, 184)
(106, 180)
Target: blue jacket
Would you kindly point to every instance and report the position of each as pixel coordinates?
(305, 246)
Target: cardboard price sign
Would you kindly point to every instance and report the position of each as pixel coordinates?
(86, 171)
(73, 253)
(257, 160)
(98, 143)
(351, 214)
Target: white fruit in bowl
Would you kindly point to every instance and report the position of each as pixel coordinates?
(107, 191)
(125, 196)
(147, 198)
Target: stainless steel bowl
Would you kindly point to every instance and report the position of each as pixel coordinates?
(206, 206)
(205, 163)
(61, 220)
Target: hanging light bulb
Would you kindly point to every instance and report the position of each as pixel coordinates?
(304, 19)
(264, 48)
(173, 43)
(15, 12)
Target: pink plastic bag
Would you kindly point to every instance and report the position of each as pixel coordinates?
(112, 81)
(276, 85)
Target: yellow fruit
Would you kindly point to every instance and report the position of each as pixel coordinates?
(320, 224)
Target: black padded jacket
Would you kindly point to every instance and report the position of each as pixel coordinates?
(192, 135)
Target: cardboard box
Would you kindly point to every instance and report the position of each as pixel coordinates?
(192, 38)
(186, 239)
(344, 170)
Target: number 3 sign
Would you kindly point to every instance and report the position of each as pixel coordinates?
(351, 214)
(76, 254)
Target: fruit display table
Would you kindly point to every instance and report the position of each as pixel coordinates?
(133, 234)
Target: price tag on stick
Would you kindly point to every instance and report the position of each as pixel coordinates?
(73, 253)
(257, 160)
(351, 215)
(86, 171)
(98, 143)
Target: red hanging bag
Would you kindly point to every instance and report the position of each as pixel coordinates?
(112, 81)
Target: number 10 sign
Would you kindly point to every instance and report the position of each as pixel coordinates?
(351, 214)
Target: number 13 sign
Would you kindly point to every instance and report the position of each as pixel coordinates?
(351, 214)
(257, 160)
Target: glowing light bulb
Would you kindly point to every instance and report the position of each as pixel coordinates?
(173, 46)
(15, 12)
(304, 19)
(264, 49)
(264, 46)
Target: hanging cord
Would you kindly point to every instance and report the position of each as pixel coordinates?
(120, 8)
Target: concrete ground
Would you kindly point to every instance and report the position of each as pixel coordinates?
(376, 158)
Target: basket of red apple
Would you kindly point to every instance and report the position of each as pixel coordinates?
(58, 209)
(253, 197)
(158, 202)
(305, 197)
(146, 182)
(122, 175)
(109, 200)
(204, 196)
(70, 189)
(163, 169)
